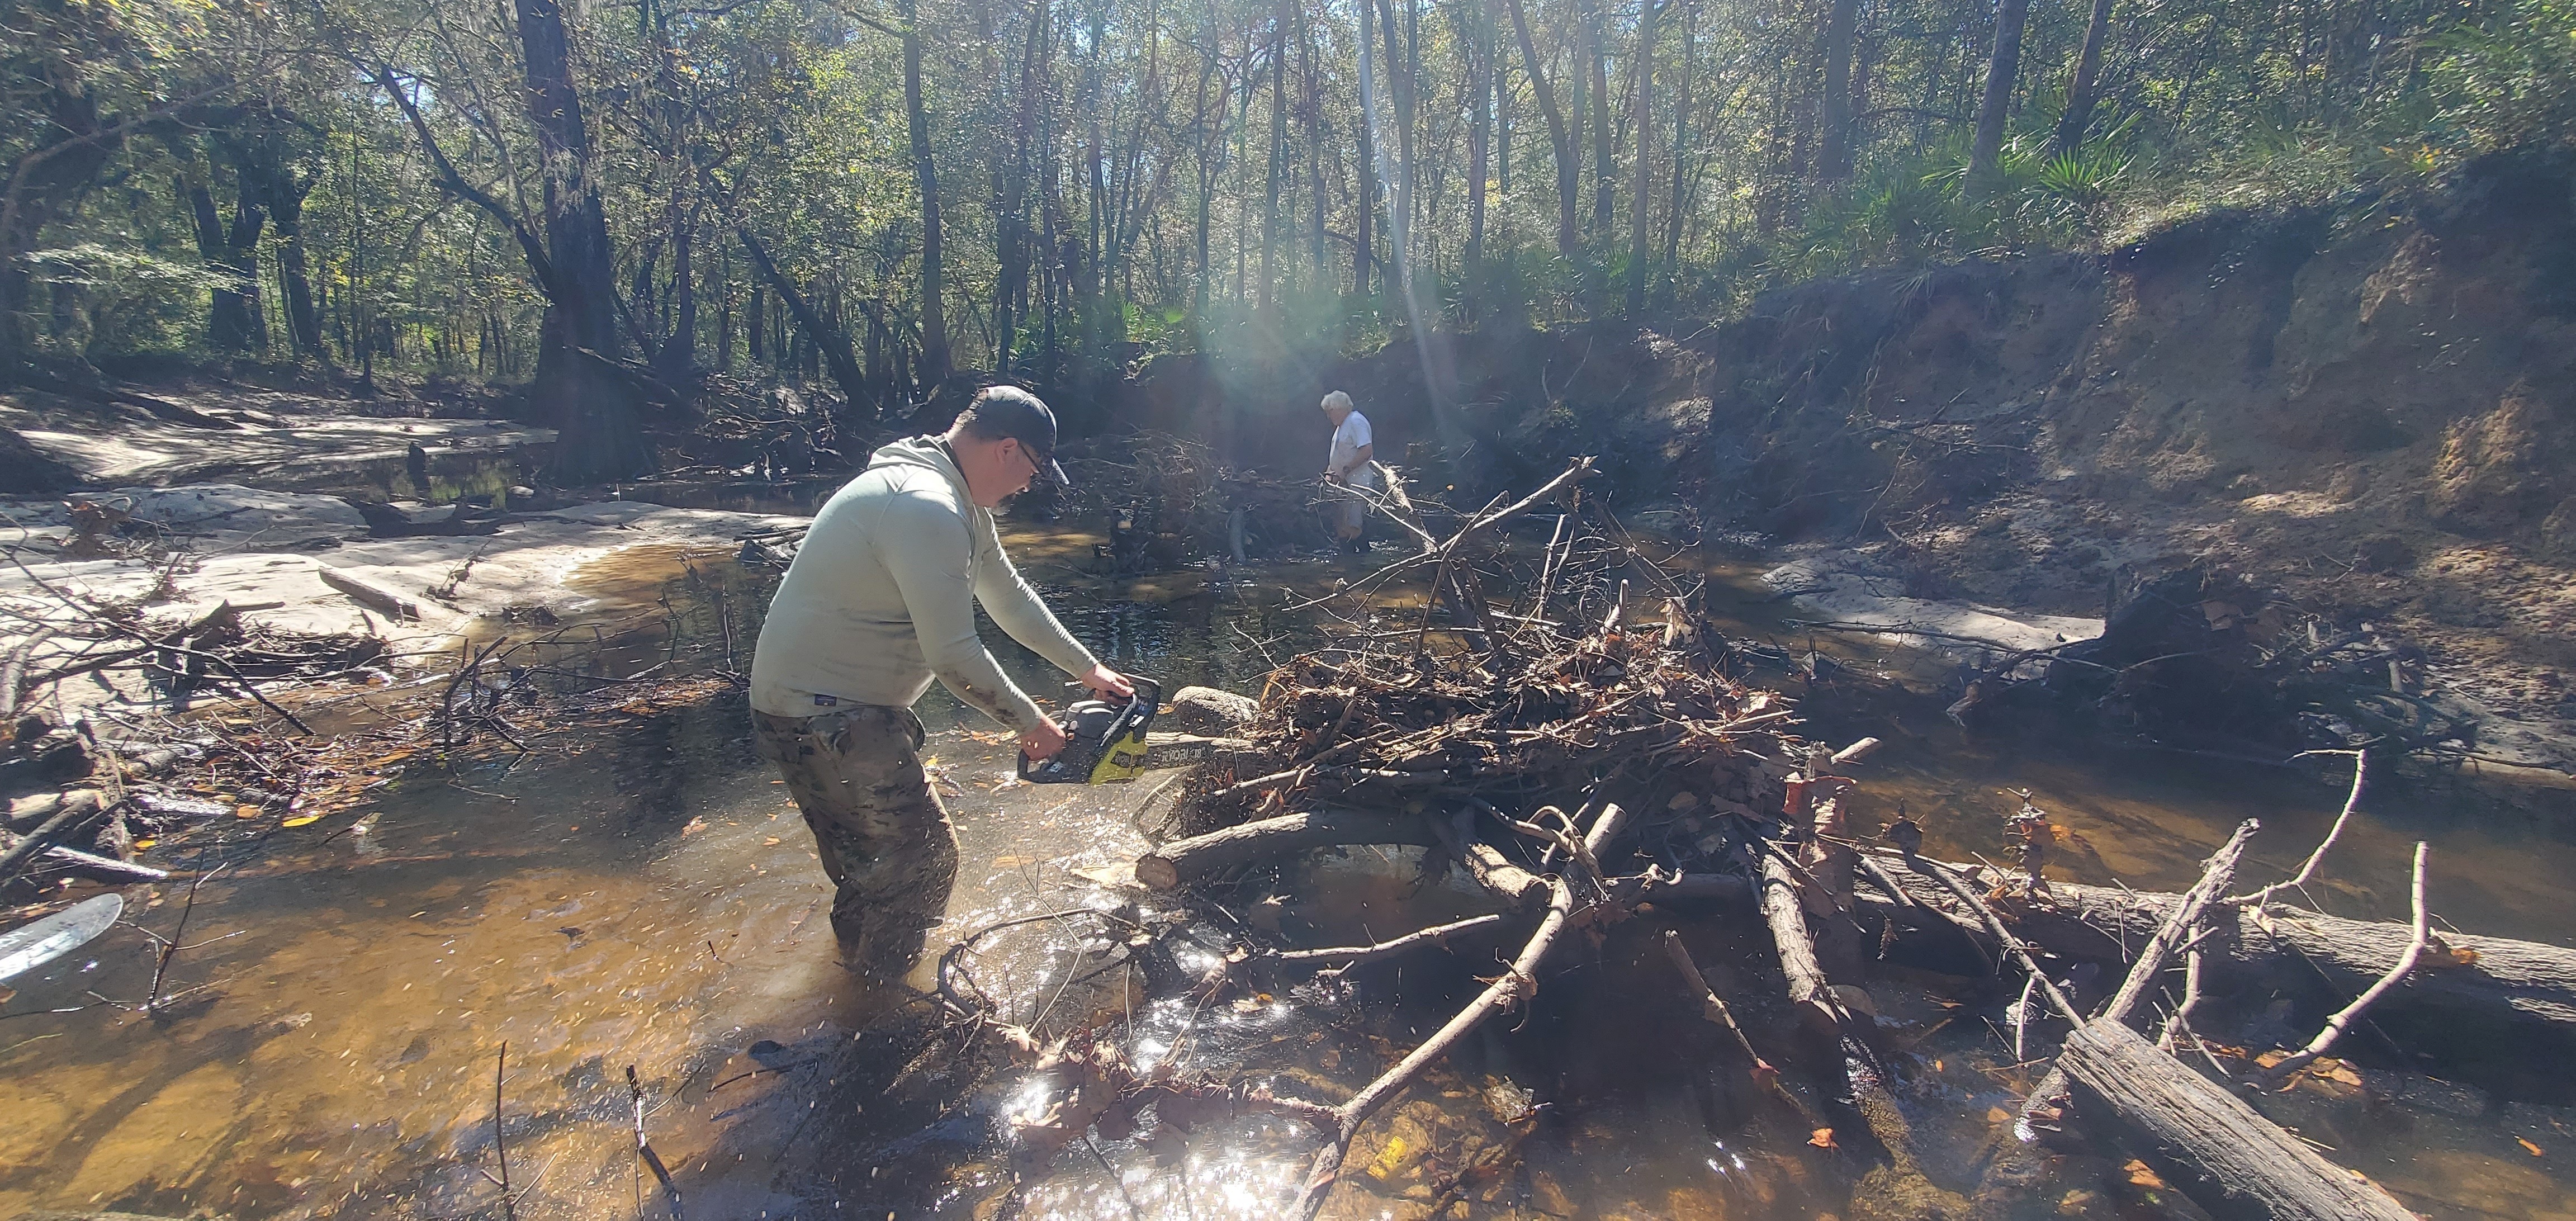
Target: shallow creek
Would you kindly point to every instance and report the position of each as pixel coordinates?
(653, 901)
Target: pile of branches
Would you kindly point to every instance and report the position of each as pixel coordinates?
(212, 652)
(775, 433)
(323, 720)
(1177, 501)
(1473, 736)
(1564, 703)
(1643, 714)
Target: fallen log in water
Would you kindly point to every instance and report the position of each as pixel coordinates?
(2239, 1163)
(2526, 982)
(2523, 981)
(1820, 878)
(1183, 861)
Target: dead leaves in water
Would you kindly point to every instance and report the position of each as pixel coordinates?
(2325, 1075)
(2440, 953)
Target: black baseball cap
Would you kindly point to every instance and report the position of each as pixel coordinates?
(1008, 411)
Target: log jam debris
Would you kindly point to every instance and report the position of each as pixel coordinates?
(1589, 757)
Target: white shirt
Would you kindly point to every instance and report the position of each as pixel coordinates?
(1348, 440)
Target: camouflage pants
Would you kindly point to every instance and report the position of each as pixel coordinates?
(883, 836)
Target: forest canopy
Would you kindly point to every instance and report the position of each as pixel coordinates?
(617, 199)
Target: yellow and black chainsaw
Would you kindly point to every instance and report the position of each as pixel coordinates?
(1103, 742)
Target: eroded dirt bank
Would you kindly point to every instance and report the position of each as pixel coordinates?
(2366, 409)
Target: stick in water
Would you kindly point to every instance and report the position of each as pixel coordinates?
(2308, 871)
(644, 1148)
(2342, 1021)
(509, 1199)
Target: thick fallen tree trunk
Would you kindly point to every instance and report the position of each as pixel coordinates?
(1820, 880)
(2522, 980)
(2518, 981)
(2241, 1164)
(1183, 861)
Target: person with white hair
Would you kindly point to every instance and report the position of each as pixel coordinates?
(1347, 464)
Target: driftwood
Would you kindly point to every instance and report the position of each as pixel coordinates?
(2236, 1162)
(1353, 955)
(1821, 879)
(368, 594)
(1492, 870)
(1809, 991)
(1512, 987)
(2521, 981)
(2525, 982)
(100, 868)
(2420, 940)
(1199, 857)
(1181, 749)
(62, 824)
(2180, 924)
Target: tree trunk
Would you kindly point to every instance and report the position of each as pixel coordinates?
(1834, 156)
(2079, 92)
(724, 320)
(599, 435)
(69, 149)
(1641, 122)
(276, 185)
(934, 316)
(1605, 167)
(233, 322)
(1010, 307)
(1677, 212)
(830, 341)
(1502, 119)
(639, 291)
(1477, 17)
(1984, 168)
(1364, 248)
(1569, 173)
(679, 353)
(1311, 101)
(1399, 207)
(1278, 150)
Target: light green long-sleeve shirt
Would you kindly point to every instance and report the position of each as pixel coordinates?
(881, 599)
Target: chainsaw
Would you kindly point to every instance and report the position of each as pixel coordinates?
(1103, 742)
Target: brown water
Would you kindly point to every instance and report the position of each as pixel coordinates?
(649, 898)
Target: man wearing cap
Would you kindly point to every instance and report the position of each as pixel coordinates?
(880, 600)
